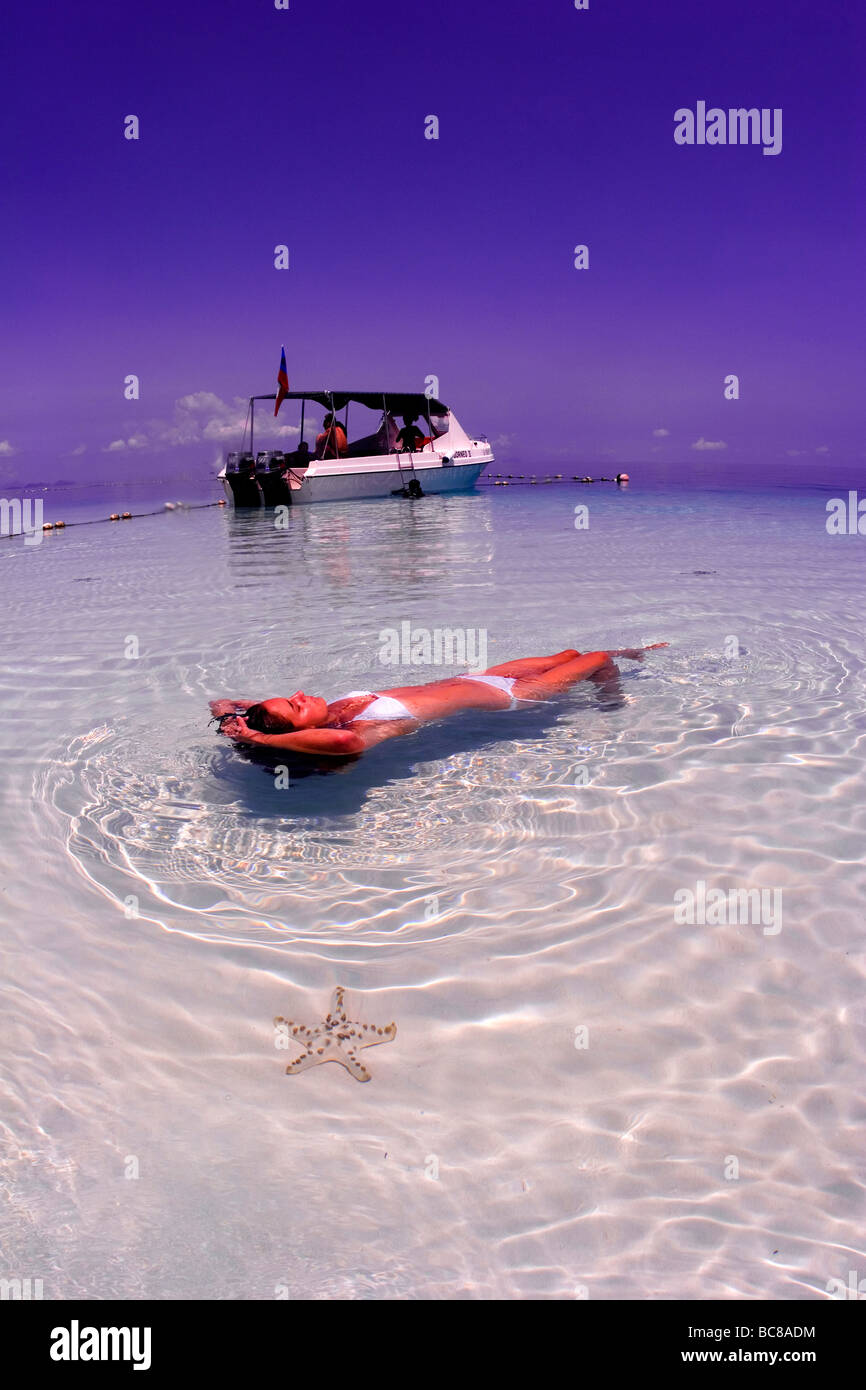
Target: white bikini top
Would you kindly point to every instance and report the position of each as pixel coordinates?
(383, 706)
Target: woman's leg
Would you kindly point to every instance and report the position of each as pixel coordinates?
(529, 687)
(531, 665)
(536, 686)
(636, 653)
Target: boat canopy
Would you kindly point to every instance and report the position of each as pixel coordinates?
(413, 403)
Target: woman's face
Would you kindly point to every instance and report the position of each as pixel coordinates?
(300, 711)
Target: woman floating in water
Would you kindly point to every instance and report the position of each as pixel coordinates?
(357, 721)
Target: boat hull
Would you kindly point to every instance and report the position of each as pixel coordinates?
(338, 482)
(378, 482)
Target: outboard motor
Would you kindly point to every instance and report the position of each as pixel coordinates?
(241, 478)
(271, 476)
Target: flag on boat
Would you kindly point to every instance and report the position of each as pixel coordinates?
(282, 382)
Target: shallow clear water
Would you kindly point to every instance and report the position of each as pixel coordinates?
(492, 884)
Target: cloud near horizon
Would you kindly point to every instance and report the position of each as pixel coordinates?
(201, 417)
(709, 443)
(135, 441)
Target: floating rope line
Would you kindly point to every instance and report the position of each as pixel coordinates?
(503, 480)
(115, 516)
(221, 502)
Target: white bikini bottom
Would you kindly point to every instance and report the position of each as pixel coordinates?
(386, 707)
(503, 683)
(506, 683)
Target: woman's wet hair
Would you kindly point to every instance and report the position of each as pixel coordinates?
(264, 722)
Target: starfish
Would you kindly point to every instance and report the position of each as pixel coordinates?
(336, 1040)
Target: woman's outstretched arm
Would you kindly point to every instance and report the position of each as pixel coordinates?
(220, 708)
(337, 743)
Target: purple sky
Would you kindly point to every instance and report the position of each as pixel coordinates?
(411, 256)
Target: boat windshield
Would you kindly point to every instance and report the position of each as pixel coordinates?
(333, 425)
(356, 431)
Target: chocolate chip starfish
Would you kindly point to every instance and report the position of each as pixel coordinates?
(338, 1039)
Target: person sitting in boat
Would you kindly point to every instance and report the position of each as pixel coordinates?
(355, 722)
(332, 442)
(301, 457)
(386, 435)
(410, 436)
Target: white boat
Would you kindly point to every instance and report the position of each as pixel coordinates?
(443, 457)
